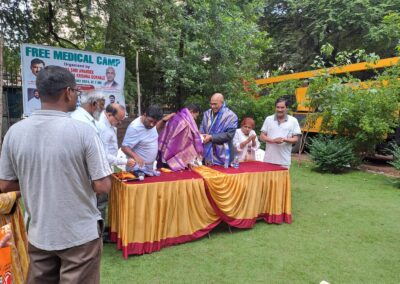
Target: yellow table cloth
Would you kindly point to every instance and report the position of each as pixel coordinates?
(161, 211)
(256, 189)
(183, 206)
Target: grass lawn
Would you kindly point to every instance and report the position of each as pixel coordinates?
(344, 230)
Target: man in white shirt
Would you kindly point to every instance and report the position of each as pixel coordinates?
(141, 137)
(109, 120)
(280, 131)
(89, 105)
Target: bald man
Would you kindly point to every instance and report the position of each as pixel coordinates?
(111, 118)
(218, 129)
(108, 121)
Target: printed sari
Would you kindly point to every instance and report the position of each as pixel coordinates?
(180, 142)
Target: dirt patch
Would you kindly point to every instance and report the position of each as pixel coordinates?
(376, 167)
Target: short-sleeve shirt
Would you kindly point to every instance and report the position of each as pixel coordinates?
(142, 141)
(280, 154)
(55, 157)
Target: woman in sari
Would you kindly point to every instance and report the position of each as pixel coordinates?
(10, 213)
(180, 143)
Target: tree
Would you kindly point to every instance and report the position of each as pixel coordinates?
(185, 47)
(300, 28)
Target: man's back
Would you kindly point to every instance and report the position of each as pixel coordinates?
(53, 156)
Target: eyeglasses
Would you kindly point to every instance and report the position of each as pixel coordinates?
(77, 92)
(119, 121)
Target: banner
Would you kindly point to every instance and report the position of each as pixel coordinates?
(91, 71)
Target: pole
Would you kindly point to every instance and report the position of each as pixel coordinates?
(1, 89)
(138, 84)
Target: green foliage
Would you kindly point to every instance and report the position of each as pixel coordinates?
(249, 106)
(389, 28)
(299, 28)
(366, 114)
(396, 156)
(188, 48)
(185, 47)
(330, 154)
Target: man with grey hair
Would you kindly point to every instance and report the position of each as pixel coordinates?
(89, 106)
(65, 226)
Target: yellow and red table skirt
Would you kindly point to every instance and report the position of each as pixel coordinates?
(178, 207)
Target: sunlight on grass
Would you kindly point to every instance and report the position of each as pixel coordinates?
(344, 230)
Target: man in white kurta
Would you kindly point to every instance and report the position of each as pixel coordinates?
(280, 131)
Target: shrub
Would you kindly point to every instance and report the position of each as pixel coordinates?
(365, 114)
(332, 154)
(396, 156)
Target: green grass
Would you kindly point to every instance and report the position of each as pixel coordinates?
(345, 230)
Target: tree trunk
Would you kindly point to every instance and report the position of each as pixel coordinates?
(179, 89)
(138, 84)
(1, 90)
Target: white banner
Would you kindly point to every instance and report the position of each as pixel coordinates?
(91, 71)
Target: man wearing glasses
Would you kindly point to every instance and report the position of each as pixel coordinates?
(109, 120)
(64, 229)
(90, 104)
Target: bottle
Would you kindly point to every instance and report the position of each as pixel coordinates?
(226, 163)
(235, 162)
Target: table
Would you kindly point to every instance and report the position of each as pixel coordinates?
(161, 211)
(256, 189)
(145, 216)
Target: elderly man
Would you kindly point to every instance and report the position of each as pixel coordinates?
(90, 104)
(280, 131)
(58, 179)
(141, 138)
(218, 128)
(109, 120)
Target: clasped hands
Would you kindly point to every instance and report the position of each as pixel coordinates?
(251, 139)
(280, 140)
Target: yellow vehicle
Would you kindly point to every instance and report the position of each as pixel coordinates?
(303, 110)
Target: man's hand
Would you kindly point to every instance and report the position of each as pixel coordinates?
(206, 138)
(128, 152)
(292, 140)
(168, 117)
(278, 140)
(139, 161)
(161, 123)
(131, 163)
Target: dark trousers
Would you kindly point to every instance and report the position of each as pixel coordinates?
(80, 264)
(102, 201)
